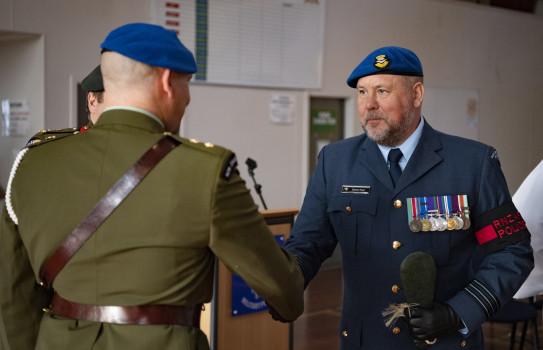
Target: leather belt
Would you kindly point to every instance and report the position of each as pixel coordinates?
(185, 315)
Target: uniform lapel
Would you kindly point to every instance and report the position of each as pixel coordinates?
(424, 158)
(372, 158)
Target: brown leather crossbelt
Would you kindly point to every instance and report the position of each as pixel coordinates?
(104, 208)
(185, 315)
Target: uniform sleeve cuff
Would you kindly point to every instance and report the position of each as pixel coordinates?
(475, 304)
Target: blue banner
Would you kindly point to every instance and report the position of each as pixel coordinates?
(244, 298)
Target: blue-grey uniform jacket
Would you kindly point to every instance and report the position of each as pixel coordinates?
(371, 225)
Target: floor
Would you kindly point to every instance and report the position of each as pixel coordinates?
(317, 328)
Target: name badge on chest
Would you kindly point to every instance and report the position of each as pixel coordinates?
(355, 189)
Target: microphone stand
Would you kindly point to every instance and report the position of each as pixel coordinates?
(251, 164)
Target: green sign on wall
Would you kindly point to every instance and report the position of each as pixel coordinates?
(323, 121)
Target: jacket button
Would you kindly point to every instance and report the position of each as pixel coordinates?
(397, 203)
(344, 333)
(348, 209)
(396, 245)
(395, 288)
(463, 344)
(396, 330)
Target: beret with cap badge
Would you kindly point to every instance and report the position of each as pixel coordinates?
(387, 60)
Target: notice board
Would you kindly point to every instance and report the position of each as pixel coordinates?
(268, 43)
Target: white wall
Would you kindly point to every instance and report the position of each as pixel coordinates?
(462, 45)
(238, 118)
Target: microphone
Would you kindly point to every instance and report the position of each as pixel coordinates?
(251, 164)
(418, 275)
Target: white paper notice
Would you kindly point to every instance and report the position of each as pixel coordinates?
(282, 109)
(15, 116)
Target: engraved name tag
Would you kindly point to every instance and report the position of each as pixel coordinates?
(355, 189)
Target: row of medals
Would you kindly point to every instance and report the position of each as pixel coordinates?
(441, 222)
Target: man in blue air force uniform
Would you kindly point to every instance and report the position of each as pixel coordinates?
(403, 187)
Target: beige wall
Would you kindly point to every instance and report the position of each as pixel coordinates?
(461, 45)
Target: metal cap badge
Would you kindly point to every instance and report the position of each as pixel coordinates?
(381, 61)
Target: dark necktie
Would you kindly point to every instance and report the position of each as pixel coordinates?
(395, 171)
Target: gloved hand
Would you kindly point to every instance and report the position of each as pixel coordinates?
(428, 324)
(275, 315)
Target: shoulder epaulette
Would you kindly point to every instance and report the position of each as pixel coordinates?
(231, 163)
(203, 145)
(48, 135)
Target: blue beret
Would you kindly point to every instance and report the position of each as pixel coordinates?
(387, 60)
(151, 44)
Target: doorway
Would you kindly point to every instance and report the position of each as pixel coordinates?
(326, 125)
(326, 119)
(22, 92)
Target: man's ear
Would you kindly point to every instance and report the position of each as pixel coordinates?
(418, 94)
(92, 102)
(165, 77)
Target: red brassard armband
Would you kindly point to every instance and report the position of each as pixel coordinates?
(500, 227)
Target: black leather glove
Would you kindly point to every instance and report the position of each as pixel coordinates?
(428, 324)
(275, 315)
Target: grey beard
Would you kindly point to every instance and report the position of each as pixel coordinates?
(394, 134)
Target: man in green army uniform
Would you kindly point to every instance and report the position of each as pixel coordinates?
(157, 249)
(93, 86)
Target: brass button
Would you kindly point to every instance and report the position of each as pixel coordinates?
(463, 344)
(396, 245)
(397, 203)
(348, 209)
(395, 288)
(396, 330)
(344, 333)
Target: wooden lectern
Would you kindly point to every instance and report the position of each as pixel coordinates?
(250, 331)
